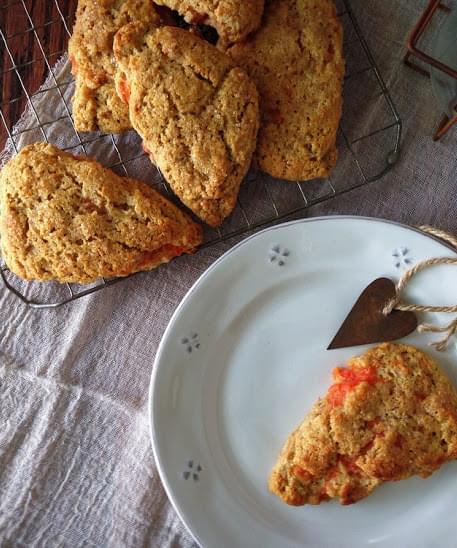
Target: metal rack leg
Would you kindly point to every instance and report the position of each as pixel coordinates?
(413, 51)
(444, 126)
(415, 36)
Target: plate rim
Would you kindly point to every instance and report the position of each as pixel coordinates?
(190, 291)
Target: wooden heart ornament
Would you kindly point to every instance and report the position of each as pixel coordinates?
(367, 323)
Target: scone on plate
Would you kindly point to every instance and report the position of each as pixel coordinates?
(391, 414)
(96, 105)
(196, 113)
(70, 219)
(233, 19)
(296, 61)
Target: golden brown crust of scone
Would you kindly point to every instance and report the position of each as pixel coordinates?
(70, 219)
(390, 415)
(233, 19)
(296, 61)
(197, 115)
(96, 105)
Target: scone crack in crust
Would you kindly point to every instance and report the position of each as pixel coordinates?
(96, 105)
(196, 113)
(391, 414)
(232, 19)
(68, 219)
(296, 61)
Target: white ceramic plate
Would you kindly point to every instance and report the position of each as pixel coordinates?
(244, 358)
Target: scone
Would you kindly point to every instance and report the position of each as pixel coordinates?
(296, 61)
(196, 113)
(391, 414)
(233, 19)
(69, 219)
(96, 105)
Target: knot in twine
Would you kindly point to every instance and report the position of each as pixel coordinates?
(397, 304)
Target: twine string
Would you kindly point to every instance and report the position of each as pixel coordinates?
(449, 329)
(397, 304)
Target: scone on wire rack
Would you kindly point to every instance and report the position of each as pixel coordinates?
(391, 414)
(96, 105)
(196, 113)
(70, 219)
(296, 61)
(232, 19)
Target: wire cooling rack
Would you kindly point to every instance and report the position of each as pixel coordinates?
(368, 140)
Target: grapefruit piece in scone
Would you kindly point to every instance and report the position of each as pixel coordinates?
(391, 414)
(70, 219)
(233, 19)
(96, 105)
(196, 113)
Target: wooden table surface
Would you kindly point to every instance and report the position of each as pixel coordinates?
(30, 32)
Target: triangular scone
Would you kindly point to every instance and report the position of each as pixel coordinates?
(70, 219)
(196, 113)
(296, 61)
(391, 414)
(233, 19)
(96, 105)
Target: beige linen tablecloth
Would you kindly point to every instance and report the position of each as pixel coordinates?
(76, 465)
